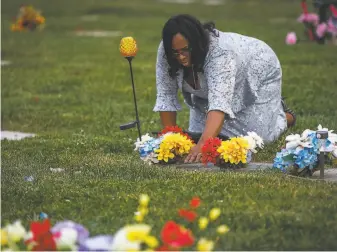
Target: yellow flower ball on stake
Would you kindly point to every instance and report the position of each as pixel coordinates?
(128, 47)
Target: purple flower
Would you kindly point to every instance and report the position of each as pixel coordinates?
(97, 243)
(82, 232)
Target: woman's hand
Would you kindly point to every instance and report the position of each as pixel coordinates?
(214, 122)
(195, 154)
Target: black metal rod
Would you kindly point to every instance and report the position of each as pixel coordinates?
(134, 98)
(321, 165)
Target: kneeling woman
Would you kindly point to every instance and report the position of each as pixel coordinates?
(231, 83)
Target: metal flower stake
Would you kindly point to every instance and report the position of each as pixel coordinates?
(128, 49)
(322, 136)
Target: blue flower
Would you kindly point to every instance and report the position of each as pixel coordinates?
(306, 158)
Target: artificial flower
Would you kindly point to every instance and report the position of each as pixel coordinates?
(81, 232)
(3, 237)
(42, 238)
(195, 202)
(144, 200)
(97, 243)
(188, 214)
(205, 245)
(175, 236)
(174, 129)
(254, 141)
(209, 150)
(222, 229)
(130, 237)
(214, 213)
(203, 222)
(66, 239)
(15, 232)
(151, 241)
(173, 145)
(145, 138)
(234, 150)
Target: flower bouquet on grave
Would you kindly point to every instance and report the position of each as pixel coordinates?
(28, 19)
(233, 153)
(172, 145)
(190, 232)
(300, 155)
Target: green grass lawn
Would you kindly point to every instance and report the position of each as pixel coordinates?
(74, 92)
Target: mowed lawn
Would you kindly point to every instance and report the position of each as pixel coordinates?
(74, 92)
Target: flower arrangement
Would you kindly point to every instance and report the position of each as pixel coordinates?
(28, 19)
(68, 235)
(300, 155)
(172, 145)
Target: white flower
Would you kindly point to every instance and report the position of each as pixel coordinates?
(306, 133)
(254, 141)
(251, 143)
(130, 237)
(139, 143)
(15, 231)
(67, 239)
(257, 138)
(334, 152)
(292, 138)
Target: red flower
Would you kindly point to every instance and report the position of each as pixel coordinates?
(174, 129)
(176, 236)
(195, 202)
(188, 214)
(42, 236)
(209, 150)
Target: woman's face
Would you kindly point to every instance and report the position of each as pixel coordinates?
(181, 50)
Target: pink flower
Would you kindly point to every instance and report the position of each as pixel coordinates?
(291, 38)
(321, 30)
(311, 18)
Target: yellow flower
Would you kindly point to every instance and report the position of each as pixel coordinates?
(234, 150)
(137, 232)
(203, 222)
(214, 213)
(15, 231)
(144, 200)
(205, 245)
(172, 145)
(143, 210)
(151, 241)
(4, 237)
(128, 47)
(139, 217)
(222, 229)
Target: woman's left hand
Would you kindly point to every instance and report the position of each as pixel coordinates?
(194, 155)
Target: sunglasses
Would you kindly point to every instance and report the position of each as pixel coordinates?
(183, 51)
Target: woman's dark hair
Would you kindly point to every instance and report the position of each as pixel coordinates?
(197, 35)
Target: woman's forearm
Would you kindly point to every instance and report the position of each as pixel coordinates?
(168, 118)
(214, 122)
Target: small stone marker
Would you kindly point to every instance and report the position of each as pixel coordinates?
(98, 33)
(13, 135)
